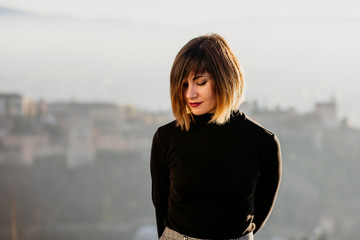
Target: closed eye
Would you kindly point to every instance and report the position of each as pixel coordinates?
(202, 83)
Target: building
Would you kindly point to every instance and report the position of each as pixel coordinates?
(319, 128)
(16, 105)
(327, 111)
(11, 105)
(88, 128)
(23, 149)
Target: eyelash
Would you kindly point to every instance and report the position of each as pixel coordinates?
(199, 84)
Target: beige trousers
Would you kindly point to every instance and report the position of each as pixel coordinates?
(170, 234)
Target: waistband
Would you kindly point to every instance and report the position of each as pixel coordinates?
(171, 234)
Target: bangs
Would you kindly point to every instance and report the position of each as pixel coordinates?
(195, 62)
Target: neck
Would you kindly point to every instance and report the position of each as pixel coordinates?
(203, 119)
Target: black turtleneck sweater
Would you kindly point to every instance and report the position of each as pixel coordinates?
(214, 181)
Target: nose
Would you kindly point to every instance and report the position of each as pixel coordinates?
(191, 92)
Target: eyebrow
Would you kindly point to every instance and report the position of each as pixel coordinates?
(199, 76)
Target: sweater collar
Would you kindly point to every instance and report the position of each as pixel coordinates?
(205, 118)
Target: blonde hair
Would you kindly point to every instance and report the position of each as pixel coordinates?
(211, 54)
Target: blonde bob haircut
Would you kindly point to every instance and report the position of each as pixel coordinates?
(211, 54)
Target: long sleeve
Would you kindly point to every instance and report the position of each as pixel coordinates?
(160, 182)
(268, 184)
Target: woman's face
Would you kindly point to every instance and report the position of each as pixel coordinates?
(199, 93)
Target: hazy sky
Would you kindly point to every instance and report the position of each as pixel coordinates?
(185, 11)
(293, 52)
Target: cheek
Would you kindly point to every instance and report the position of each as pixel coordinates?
(213, 94)
(183, 97)
(213, 91)
(214, 100)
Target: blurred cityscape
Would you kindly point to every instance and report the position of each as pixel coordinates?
(80, 170)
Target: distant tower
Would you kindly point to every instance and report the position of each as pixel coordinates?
(327, 111)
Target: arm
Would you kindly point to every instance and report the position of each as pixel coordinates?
(268, 184)
(160, 182)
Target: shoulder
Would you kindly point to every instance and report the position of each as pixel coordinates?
(258, 131)
(168, 126)
(267, 143)
(166, 131)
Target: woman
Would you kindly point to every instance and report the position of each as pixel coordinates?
(215, 173)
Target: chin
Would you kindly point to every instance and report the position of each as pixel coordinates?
(198, 112)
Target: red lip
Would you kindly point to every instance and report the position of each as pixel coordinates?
(195, 104)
